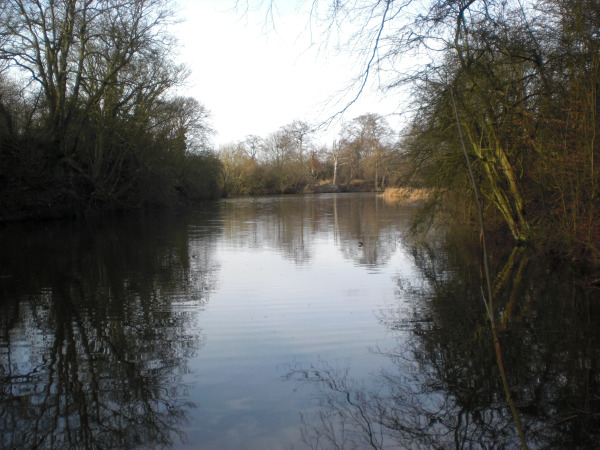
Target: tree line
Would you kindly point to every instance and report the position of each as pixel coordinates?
(89, 115)
(365, 156)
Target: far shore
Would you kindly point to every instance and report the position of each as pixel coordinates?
(401, 195)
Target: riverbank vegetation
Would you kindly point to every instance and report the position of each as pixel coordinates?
(90, 119)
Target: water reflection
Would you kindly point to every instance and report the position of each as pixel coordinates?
(363, 227)
(444, 389)
(95, 334)
(107, 335)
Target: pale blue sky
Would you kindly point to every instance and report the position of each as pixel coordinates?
(256, 76)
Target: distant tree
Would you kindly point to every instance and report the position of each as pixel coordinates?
(315, 164)
(352, 152)
(335, 155)
(365, 141)
(238, 168)
(279, 148)
(298, 133)
(253, 145)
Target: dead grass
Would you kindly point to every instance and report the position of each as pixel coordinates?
(406, 195)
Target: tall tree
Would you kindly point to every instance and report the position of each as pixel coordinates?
(365, 140)
(298, 133)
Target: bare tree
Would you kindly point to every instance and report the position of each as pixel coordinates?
(253, 145)
(335, 156)
(86, 54)
(298, 133)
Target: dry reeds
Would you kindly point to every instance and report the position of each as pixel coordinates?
(406, 195)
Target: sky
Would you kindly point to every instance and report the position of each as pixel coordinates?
(256, 75)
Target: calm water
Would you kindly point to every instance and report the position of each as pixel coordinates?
(285, 322)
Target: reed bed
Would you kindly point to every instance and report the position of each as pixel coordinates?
(406, 194)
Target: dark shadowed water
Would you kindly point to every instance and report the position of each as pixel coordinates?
(286, 322)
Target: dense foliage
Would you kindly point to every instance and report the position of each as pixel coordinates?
(88, 117)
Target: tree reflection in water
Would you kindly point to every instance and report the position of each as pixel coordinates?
(292, 223)
(94, 345)
(445, 390)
